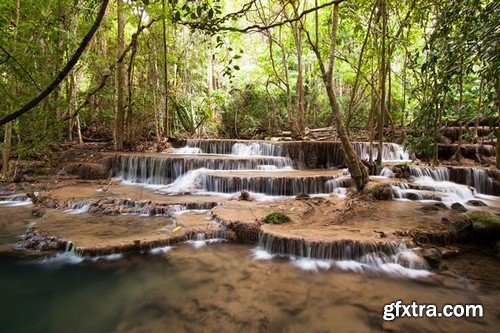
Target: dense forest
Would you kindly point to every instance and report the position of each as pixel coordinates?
(412, 72)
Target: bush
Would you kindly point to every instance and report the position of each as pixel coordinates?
(276, 218)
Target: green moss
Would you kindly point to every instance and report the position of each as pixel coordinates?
(277, 218)
(485, 224)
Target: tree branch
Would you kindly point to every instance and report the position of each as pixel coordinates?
(256, 27)
(64, 72)
(111, 69)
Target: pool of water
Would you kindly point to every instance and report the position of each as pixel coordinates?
(208, 286)
(218, 288)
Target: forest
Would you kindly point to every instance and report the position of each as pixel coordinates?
(407, 71)
(249, 165)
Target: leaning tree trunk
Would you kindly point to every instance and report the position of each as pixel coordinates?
(358, 171)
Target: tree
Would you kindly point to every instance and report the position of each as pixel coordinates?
(358, 171)
(63, 73)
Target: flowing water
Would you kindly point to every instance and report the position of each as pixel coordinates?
(218, 288)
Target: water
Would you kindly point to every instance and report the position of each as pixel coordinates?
(220, 287)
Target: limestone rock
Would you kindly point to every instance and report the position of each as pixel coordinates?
(433, 257)
(458, 207)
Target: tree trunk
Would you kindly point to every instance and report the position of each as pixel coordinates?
(383, 68)
(358, 171)
(8, 127)
(168, 121)
(120, 82)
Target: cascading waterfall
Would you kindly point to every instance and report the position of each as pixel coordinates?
(16, 200)
(389, 258)
(306, 154)
(390, 152)
(78, 207)
(474, 177)
(159, 170)
(437, 173)
(275, 186)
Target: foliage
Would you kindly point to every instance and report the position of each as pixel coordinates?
(444, 67)
(277, 218)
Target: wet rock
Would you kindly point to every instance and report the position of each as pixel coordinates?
(379, 191)
(449, 252)
(39, 211)
(462, 228)
(87, 170)
(429, 208)
(476, 203)
(303, 196)
(440, 205)
(457, 206)
(276, 218)
(485, 225)
(412, 260)
(433, 257)
(244, 195)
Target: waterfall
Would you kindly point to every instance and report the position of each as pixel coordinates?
(257, 149)
(187, 150)
(437, 173)
(163, 170)
(305, 154)
(475, 177)
(390, 152)
(16, 200)
(379, 257)
(78, 207)
(387, 173)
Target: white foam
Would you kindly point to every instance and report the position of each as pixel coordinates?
(16, 201)
(259, 254)
(186, 150)
(109, 257)
(159, 250)
(191, 181)
(60, 259)
(78, 208)
(312, 265)
(376, 263)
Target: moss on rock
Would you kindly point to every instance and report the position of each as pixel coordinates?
(485, 225)
(379, 191)
(276, 218)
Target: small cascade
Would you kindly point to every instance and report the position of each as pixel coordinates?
(78, 207)
(477, 178)
(378, 257)
(190, 182)
(390, 152)
(437, 173)
(275, 186)
(257, 149)
(186, 150)
(163, 170)
(16, 200)
(339, 185)
(344, 249)
(387, 173)
(222, 147)
(200, 239)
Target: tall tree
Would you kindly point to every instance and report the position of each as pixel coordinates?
(8, 127)
(120, 80)
(358, 171)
